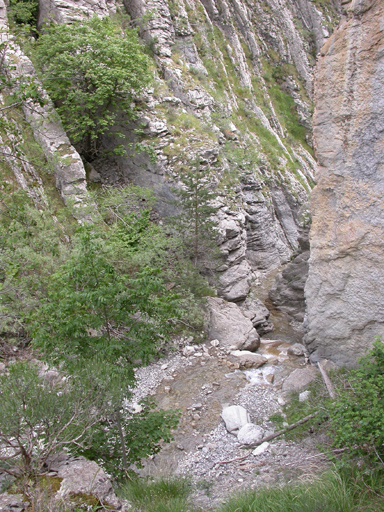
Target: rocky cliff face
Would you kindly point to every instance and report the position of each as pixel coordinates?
(345, 287)
(232, 90)
(233, 77)
(47, 130)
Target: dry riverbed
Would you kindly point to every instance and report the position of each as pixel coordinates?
(200, 382)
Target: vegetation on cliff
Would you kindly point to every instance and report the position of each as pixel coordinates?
(92, 70)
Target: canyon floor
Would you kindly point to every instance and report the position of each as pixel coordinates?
(204, 382)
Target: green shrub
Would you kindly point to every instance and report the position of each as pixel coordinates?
(331, 492)
(161, 495)
(357, 415)
(23, 12)
(38, 418)
(92, 70)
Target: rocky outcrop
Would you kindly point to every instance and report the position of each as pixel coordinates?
(228, 325)
(81, 477)
(47, 131)
(345, 286)
(224, 70)
(67, 11)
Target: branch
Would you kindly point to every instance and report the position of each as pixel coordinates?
(327, 380)
(285, 430)
(236, 459)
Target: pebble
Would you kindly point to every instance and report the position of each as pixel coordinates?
(164, 366)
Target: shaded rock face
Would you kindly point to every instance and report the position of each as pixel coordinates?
(345, 286)
(228, 325)
(287, 293)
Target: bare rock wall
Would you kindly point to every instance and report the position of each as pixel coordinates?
(345, 287)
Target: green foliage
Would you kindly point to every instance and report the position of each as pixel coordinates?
(357, 415)
(332, 492)
(38, 419)
(161, 495)
(32, 244)
(94, 309)
(123, 438)
(92, 70)
(295, 410)
(23, 12)
(195, 223)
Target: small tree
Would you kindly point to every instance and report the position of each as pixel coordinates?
(92, 70)
(38, 419)
(195, 223)
(93, 309)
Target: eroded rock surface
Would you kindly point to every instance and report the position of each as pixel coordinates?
(345, 287)
(228, 325)
(287, 293)
(47, 130)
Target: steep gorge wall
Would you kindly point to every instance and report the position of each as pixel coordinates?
(233, 90)
(345, 287)
(225, 68)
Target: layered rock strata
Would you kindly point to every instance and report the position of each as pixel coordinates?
(229, 74)
(345, 287)
(287, 293)
(47, 130)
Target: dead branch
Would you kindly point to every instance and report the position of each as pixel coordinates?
(335, 452)
(327, 380)
(236, 459)
(285, 430)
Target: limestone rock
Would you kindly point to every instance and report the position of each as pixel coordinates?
(48, 131)
(248, 359)
(250, 433)
(261, 449)
(235, 282)
(228, 325)
(235, 417)
(297, 349)
(82, 476)
(299, 379)
(255, 310)
(12, 503)
(287, 293)
(345, 286)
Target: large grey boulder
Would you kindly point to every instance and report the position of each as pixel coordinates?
(235, 417)
(228, 325)
(81, 476)
(256, 311)
(235, 282)
(250, 433)
(299, 379)
(248, 359)
(13, 503)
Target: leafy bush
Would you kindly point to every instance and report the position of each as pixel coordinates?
(357, 415)
(23, 12)
(122, 439)
(92, 70)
